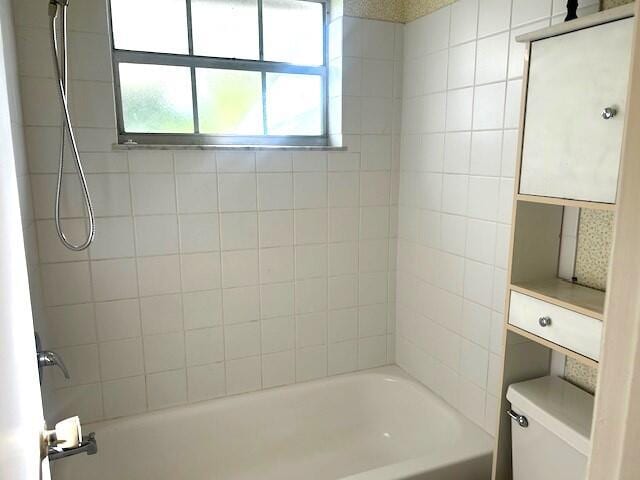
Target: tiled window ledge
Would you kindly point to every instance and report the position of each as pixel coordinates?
(314, 148)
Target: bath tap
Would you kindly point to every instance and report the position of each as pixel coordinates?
(47, 358)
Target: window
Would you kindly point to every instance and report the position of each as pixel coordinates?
(220, 71)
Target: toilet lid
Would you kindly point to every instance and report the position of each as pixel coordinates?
(559, 406)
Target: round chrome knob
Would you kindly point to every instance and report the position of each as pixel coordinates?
(609, 112)
(544, 321)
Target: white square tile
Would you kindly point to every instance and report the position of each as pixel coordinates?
(310, 226)
(374, 255)
(472, 402)
(275, 191)
(481, 241)
(124, 397)
(239, 268)
(311, 329)
(118, 319)
(311, 295)
(377, 78)
(436, 30)
(199, 233)
(72, 325)
(525, 11)
(276, 300)
(202, 309)
(121, 358)
(273, 161)
(310, 190)
(456, 152)
(276, 264)
(275, 228)
(372, 320)
(486, 153)
(110, 195)
(83, 400)
(343, 258)
(433, 121)
(343, 291)
(158, 275)
(494, 16)
(311, 261)
(372, 352)
(464, 21)
(343, 357)
(343, 224)
(167, 389)
(453, 231)
(82, 363)
(459, 109)
(491, 63)
(156, 234)
(164, 352)
(200, 271)
(237, 192)
(509, 153)
(206, 382)
(148, 161)
(114, 279)
(512, 106)
(51, 248)
(435, 78)
(236, 161)
(476, 323)
(278, 369)
(161, 314)
(243, 375)
(483, 197)
(311, 363)
(278, 334)
(344, 189)
(115, 239)
(374, 222)
(478, 283)
(376, 152)
(374, 188)
(377, 39)
(153, 193)
(76, 287)
(462, 61)
(372, 288)
(241, 305)
(197, 193)
(194, 162)
(239, 231)
(454, 194)
(488, 106)
(205, 345)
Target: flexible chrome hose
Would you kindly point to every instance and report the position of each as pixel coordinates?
(60, 62)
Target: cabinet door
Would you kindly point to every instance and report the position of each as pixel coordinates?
(569, 149)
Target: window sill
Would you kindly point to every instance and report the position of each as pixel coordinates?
(314, 148)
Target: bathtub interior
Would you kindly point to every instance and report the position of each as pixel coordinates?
(329, 429)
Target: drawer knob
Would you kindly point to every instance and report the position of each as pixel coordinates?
(609, 112)
(544, 321)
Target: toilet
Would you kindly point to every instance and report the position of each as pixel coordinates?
(550, 429)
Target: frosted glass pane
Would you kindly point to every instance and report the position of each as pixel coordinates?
(294, 104)
(229, 102)
(293, 32)
(156, 98)
(150, 25)
(225, 28)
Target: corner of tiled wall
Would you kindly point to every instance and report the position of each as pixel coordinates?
(461, 101)
(213, 273)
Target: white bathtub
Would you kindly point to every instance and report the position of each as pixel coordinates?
(371, 425)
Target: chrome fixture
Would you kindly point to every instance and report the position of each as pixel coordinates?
(47, 358)
(544, 321)
(609, 112)
(89, 445)
(60, 62)
(520, 419)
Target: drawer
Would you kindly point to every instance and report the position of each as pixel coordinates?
(563, 327)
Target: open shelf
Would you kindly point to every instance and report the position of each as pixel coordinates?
(580, 299)
(553, 346)
(565, 202)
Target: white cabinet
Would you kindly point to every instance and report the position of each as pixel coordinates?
(569, 150)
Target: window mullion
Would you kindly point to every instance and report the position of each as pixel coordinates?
(194, 91)
(264, 75)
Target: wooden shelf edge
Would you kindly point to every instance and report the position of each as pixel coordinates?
(598, 315)
(553, 346)
(565, 202)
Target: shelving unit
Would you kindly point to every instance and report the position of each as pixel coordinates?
(567, 178)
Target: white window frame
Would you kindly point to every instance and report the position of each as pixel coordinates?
(195, 61)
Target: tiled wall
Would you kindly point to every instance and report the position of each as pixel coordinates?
(461, 101)
(212, 273)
